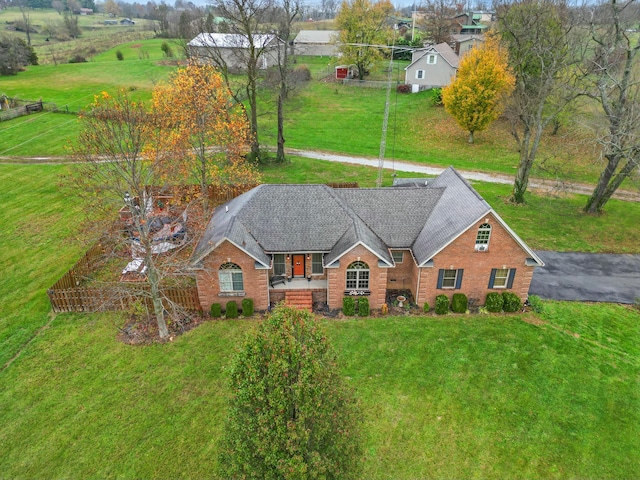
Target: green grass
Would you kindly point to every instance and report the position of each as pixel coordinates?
(554, 396)
(320, 115)
(454, 397)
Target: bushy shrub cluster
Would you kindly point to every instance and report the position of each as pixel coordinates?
(363, 307)
(349, 306)
(511, 302)
(442, 305)
(536, 304)
(300, 74)
(77, 59)
(426, 307)
(247, 307)
(403, 88)
(459, 303)
(216, 310)
(493, 303)
(231, 310)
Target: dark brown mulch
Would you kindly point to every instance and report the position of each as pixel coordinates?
(143, 330)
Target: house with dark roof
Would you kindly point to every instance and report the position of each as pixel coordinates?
(432, 66)
(317, 244)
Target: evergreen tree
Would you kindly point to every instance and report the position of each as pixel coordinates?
(290, 415)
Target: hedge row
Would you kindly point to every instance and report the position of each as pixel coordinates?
(231, 309)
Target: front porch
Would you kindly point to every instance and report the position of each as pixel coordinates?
(300, 293)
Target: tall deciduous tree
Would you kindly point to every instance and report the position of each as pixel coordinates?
(363, 25)
(438, 21)
(247, 19)
(115, 132)
(537, 36)
(290, 416)
(204, 132)
(612, 77)
(483, 81)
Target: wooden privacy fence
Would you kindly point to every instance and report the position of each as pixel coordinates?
(119, 296)
(69, 295)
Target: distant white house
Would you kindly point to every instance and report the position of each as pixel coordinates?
(233, 48)
(432, 66)
(319, 43)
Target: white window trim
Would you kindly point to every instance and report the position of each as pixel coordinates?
(361, 283)
(430, 57)
(225, 279)
(445, 278)
(419, 74)
(500, 278)
(397, 252)
(482, 243)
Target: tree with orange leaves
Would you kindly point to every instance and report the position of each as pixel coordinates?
(202, 131)
(475, 98)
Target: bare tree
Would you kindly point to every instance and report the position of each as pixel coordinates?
(612, 79)
(22, 4)
(538, 37)
(285, 14)
(115, 134)
(438, 20)
(246, 49)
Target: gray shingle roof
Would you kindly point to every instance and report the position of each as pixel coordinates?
(230, 40)
(459, 207)
(316, 218)
(317, 36)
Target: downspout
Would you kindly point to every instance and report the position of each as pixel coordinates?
(418, 286)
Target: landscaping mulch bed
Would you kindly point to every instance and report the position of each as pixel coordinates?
(143, 330)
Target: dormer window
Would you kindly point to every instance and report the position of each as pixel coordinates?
(482, 238)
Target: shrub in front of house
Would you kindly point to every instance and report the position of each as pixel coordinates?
(511, 301)
(442, 304)
(536, 303)
(493, 303)
(403, 88)
(426, 307)
(459, 303)
(231, 310)
(216, 310)
(349, 306)
(247, 307)
(363, 307)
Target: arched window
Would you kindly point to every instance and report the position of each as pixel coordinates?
(358, 276)
(230, 276)
(483, 236)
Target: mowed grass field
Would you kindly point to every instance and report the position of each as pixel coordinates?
(543, 396)
(320, 115)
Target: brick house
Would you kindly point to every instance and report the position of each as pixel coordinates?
(322, 244)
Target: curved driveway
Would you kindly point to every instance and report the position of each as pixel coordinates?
(587, 277)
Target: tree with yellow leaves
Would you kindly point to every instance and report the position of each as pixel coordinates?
(475, 98)
(202, 129)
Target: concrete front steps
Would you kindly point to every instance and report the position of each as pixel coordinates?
(301, 299)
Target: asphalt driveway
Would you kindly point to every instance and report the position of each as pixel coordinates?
(587, 277)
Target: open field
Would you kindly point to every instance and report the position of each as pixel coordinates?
(321, 115)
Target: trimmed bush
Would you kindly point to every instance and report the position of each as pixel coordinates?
(459, 303)
(247, 307)
(536, 304)
(349, 306)
(119, 55)
(493, 303)
(231, 310)
(363, 307)
(216, 310)
(426, 307)
(442, 304)
(511, 303)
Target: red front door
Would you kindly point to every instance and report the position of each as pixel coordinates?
(298, 265)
